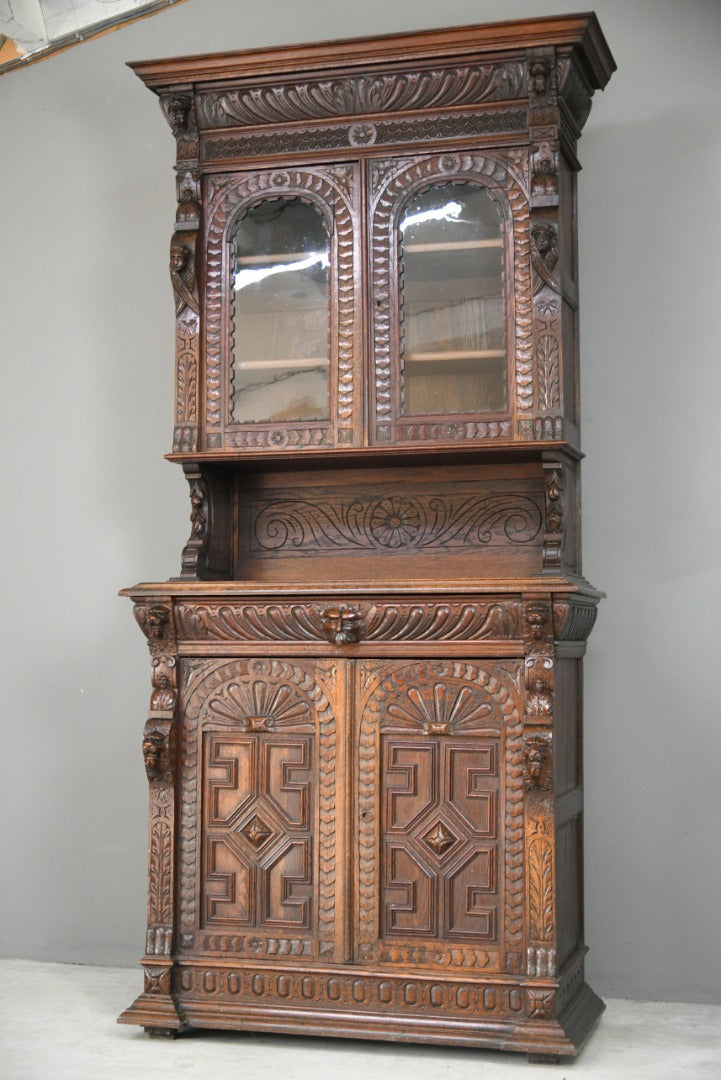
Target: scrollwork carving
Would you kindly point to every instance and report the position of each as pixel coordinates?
(393, 523)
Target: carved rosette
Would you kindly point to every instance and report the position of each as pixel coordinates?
(331, 191)
(393, 182)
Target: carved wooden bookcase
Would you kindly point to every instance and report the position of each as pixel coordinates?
(364, 739)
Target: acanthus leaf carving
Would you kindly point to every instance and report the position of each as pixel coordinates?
(160, 874)
(540, 885)
(400, 92)
(480, 620)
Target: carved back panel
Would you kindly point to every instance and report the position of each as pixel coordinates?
(332, 526)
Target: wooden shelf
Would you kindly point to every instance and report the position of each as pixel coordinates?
(457, 354)
(266, 258)
(290, 362)
(457, 245)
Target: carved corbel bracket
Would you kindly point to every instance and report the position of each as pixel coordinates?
(537, 763)
(179, 110)
(155, 619)
(544, 256)
(194, 556)
(539, 690)
(157, 751)
(164, 679)
(555, 516)
(538, 625)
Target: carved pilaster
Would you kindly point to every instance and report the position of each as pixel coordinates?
(179, 111)
(159, 754)
(538, 786)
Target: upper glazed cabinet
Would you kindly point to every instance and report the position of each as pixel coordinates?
(385, 255)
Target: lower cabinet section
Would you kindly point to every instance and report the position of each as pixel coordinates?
(364, 847)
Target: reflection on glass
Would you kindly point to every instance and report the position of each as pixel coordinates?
(281, 288)
(453, 311)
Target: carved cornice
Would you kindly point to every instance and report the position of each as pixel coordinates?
(356, 95)
(339, 136)
(574, 618)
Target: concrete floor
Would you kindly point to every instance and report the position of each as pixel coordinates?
(57, 1022)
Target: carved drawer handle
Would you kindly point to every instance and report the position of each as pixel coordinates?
(342, 625)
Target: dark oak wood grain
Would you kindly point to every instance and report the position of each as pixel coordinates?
(364, 737)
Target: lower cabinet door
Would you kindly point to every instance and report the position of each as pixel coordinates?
(258, 846)
(440, 815)
(365, 813)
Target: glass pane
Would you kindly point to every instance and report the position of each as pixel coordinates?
(453, 310)
(282, 303)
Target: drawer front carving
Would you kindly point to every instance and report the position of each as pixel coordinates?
(489, 619)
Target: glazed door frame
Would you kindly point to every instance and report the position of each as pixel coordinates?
(334, 189)
(393, 180)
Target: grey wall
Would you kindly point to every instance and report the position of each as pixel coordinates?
(90, 505)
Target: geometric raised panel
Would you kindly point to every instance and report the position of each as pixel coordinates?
(471, 891)
(410, 892)
(257, 829)
(440, 837)
(447, 737)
